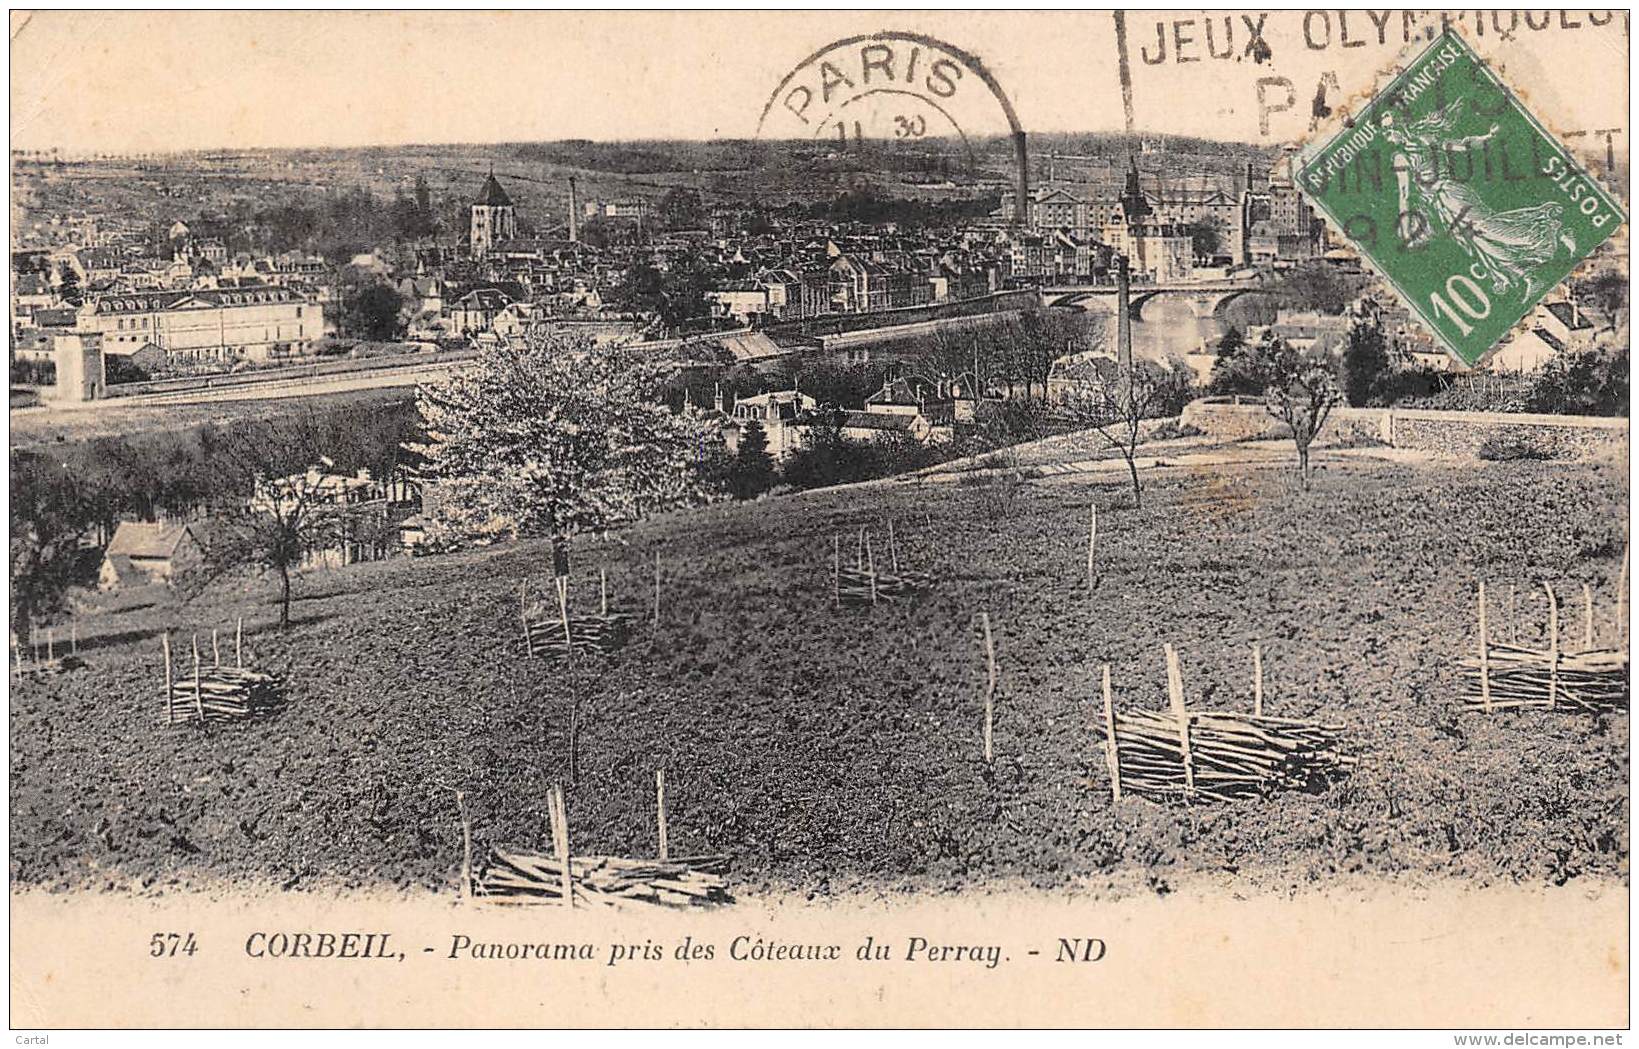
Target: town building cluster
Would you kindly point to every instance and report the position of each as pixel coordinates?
(1166, 231)
(102, 299)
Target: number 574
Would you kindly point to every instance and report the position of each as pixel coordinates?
(170, 944)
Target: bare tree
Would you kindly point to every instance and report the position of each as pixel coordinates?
(1301, 392)
(1100, 393)
(293, 507)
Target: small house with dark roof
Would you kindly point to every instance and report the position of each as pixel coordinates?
(876, 426)
(148, 552)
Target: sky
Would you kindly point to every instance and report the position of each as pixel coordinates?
(132, 81)
(159, 81)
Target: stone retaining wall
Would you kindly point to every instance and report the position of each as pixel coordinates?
(1446, 433)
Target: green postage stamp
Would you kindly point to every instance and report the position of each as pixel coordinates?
(1459, 197)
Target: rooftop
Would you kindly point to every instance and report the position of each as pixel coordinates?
(146, 539)
(492, 195)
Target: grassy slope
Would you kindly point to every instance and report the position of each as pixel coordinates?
(828, 751)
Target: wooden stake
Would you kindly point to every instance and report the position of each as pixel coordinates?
(870, 561)
(836, 568)
(1587, 617)
(466, 845)
(1513, 617)
(1257, 680)
(523, 615)
(1175, 694)
(859, 552)
(1485, 655)
(198, 691)
(1092, 544)
(74, 636)
(657, 589)
(1622, 602)
(893, 547)
(216, 649)
(660, 809)
(170, 702)
(990, 688)
(603, 591)
(563, 613)
(51, 644)
(1553, 647)
(1112, 756)
(559, 817)
(239, 642)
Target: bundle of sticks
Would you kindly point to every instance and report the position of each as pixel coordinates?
(594, 634)
(1511, 676)
(558, 635)
(1216, 755)
(1223, 755)
(518, 876)
(215, 692)
(865, 583)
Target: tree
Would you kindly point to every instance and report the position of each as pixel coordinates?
(556, 437)
(1115, 401)
(643, 288)
(1317, 286)
(1206, 238)
(682, 209)
(291, 512)
(1593, 381)
(684, 297)
(1237, 369)
(288, 518)
(47, 517)
(753, 471)
(372, 312)
(68, 285)
(1367, 367)
(1301, 391)
(1608, 291)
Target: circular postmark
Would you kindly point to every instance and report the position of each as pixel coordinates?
(894, 89)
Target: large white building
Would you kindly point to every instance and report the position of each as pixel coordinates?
(254, 323)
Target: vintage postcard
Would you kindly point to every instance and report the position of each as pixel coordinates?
(822, 519)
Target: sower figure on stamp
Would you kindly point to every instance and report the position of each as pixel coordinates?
(1509, 245)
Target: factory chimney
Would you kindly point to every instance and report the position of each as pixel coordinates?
(1021, 185)
(574, 214)
(1123, 319)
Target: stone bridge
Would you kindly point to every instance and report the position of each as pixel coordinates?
(1209, 298)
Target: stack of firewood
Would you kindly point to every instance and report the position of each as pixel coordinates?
(1223, 756)
(222, 694)
(215, 692)
(866, 583)
(594, 634)
(556, 633)
(517, 876)
(1512, 676)
(1183, 754)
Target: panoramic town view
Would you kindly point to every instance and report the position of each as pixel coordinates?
(942, 474)
(685, 521)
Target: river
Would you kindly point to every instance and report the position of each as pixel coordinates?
(1170, 326)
